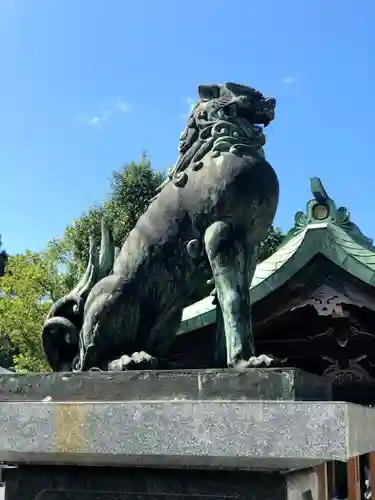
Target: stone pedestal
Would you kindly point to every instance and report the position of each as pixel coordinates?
(257, 434)
(191, 385)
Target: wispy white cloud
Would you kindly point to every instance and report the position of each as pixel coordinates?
(189, 103)
(122, 106)
(288, 80)
(109, 112)
(95, 120)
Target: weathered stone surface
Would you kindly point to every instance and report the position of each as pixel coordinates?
(211, 434)
(251, 384)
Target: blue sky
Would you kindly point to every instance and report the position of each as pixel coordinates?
(86, 85)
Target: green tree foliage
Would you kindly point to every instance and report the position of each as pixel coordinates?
(29, 286)
(131, 190)
(3, 259)
(270, 244)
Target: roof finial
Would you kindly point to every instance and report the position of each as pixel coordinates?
(317, 189)
(322, 209)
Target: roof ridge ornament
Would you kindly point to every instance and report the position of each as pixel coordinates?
(317, 189)
(322, 208)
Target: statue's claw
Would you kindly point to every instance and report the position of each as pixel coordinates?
(137, 361)
(261, 361)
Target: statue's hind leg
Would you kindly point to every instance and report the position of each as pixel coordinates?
(226, 252)
(111, 321)
(157, 342)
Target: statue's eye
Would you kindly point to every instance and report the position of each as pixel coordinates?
(202, 115)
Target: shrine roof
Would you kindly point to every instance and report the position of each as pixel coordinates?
(321, 229)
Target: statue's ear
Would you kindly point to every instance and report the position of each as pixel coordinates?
(207, 92)
(237, 88)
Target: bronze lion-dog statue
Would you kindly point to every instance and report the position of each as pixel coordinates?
(207, 219)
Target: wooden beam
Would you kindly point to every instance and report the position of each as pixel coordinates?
(371, 457)
(331, 480)
(354, 479)
(323, 482)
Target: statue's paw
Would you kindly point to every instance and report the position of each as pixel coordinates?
(262, 361)
(137, 361)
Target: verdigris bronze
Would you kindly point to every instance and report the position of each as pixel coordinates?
(206, 220)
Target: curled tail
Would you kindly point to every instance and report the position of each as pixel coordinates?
(60, 332)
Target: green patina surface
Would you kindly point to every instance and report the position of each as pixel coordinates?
(322, 228)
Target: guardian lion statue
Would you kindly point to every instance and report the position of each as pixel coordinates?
(206, 220)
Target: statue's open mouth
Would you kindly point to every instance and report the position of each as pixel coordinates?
(256, 111)
(249, 103)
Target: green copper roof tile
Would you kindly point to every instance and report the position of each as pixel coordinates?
(364, 254)
(372, 281)
(199, 314)
(277, 260)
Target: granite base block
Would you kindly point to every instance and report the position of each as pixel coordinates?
(251, 384)
(253, 435)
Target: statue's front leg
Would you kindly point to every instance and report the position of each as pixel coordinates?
(227, 256)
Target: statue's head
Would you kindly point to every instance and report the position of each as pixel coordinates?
(231, 100)
(231, 113)
(227, 118)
